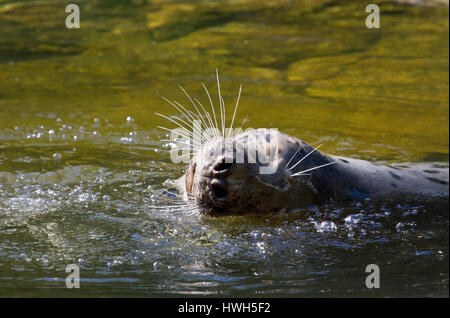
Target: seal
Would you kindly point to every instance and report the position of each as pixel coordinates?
(267, 171)
(225, 176)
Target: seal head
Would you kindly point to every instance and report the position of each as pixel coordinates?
(249, 174)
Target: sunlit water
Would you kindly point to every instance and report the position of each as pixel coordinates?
(81, 164)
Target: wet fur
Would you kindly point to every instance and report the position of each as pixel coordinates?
(345, 180)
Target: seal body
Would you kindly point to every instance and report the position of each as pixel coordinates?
(264, 171)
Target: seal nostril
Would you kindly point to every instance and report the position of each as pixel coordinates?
(223, 166)
(219, 191)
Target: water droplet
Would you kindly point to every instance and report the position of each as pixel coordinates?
(326, 226)
(126, 140)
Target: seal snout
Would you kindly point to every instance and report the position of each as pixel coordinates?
(221, 169)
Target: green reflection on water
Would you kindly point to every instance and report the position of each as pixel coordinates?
(309, 68)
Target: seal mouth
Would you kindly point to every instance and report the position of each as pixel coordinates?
(218, 189)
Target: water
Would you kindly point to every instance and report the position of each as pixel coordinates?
(81, 163)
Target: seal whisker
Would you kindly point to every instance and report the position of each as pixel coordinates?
(221, 104)
(190, 143)
(190, 196)
(184, 112)
(187, 140)
(175, 121)
(165, 207)
(190, 98)
(224, 121)
(305, 156)
(287, 165)
(212, 105)
(187, 136)
(187, 149)
(195, 117)
(235, 109)
(191, 152)
(176, 202)
(195, 106)
(181, 142)
(191, 116)
(178, 124)
(311, 169)
(242, 125)
(190, 146)
(174, 208)
(179, 202)
(192, 211)
(211, 125)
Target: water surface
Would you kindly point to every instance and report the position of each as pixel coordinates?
(81, 164)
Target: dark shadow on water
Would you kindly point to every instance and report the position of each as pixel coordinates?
(437, 157)
(27, 52)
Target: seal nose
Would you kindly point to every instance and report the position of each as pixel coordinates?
(218, 189)
(222, 168)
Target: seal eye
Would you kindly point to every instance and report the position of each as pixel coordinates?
(223, 166)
